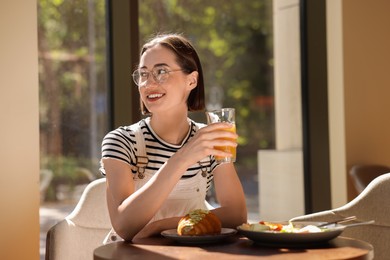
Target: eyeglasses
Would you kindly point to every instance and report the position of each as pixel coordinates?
(160, 74)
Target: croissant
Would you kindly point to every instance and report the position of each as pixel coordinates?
(199, 222)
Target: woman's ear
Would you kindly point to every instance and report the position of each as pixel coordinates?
(193, 80)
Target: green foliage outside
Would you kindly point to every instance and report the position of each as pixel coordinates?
(67, 170)
(73, 89)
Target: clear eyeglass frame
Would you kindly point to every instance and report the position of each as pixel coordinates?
(159, 74)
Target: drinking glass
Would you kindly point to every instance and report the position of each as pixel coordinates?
(224, 115)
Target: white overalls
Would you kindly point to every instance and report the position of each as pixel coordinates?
(187, 195)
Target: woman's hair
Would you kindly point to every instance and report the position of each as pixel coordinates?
(187, 59)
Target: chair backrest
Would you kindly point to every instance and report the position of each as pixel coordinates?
(362, 175)
(84, 229)
(372, 204)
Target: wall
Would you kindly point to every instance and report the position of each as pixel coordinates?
(358, 90)
(19, 131)
(366, 41)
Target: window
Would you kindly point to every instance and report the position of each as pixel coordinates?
(73, 101)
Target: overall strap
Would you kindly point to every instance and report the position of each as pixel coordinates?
(141, 158)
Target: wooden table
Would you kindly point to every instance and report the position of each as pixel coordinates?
(234, 248)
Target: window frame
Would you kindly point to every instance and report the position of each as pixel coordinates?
(123, 55)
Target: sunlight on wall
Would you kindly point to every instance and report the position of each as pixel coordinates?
(19, 153)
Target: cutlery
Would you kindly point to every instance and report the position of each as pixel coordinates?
(346, 219)
(359, 224)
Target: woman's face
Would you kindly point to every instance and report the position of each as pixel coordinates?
(172, 93)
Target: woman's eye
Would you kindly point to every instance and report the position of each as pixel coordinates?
(162, 71)
(144, 74)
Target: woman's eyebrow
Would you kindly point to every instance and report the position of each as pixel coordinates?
(155, 65)
(160, 64)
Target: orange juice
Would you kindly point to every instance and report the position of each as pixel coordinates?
(229, 149)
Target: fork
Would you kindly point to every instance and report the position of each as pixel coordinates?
(346, 219)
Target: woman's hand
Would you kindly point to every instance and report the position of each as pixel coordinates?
(204, 142)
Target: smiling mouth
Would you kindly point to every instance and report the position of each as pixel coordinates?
(154, 96)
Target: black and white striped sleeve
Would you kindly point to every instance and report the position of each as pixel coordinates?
(119, 144)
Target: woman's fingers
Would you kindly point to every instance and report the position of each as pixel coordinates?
(215, 135)
(206, 142)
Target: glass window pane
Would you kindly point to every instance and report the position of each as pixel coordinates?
(73, 101)
(234, 41)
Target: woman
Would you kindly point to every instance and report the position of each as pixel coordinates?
(149, 191)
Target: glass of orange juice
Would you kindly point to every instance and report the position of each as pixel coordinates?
(224, 115)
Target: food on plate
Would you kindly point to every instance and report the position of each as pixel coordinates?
(277, 227)
(272, 226)
(199, 222)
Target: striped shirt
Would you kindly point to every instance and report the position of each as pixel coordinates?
(121, 144)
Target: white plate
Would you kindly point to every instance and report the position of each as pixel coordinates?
(282, 239)
(204, 239)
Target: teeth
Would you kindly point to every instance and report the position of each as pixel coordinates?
(155, 95)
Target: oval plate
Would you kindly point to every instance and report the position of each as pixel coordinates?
(204, 239)
(282, 239)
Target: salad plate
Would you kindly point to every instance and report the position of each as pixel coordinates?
(292, 239)
(203, 239)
